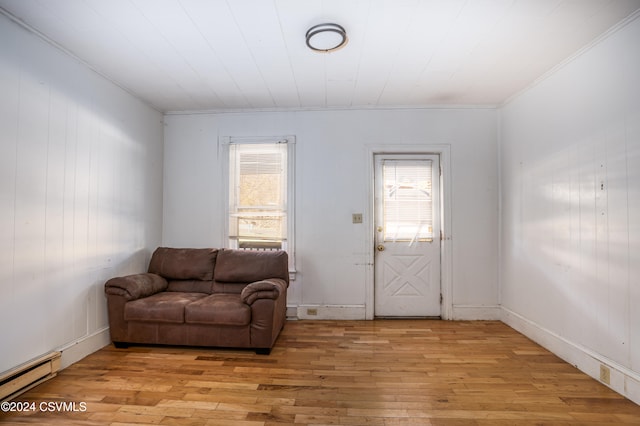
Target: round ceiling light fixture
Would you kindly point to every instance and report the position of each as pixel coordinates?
(326, 37)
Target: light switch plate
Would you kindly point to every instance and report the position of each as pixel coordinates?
(356, 218)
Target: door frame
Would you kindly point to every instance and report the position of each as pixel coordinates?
(443, 151)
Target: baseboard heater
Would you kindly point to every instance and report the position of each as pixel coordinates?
(24, 377)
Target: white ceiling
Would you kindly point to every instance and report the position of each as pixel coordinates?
(182, 55)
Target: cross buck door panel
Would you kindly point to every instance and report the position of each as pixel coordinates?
(407, 228)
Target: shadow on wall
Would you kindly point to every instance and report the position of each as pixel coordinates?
(134, 263)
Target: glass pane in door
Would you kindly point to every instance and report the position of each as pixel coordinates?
(407, 201)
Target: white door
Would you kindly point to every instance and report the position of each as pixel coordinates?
(407, 236)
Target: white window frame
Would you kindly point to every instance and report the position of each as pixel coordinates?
(226, 142)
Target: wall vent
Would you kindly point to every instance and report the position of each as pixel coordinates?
(24, 377)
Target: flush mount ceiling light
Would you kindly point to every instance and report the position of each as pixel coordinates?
(326, 37)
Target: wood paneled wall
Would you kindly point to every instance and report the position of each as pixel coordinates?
(80, 194)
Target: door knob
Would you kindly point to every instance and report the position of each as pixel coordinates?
(380, 247)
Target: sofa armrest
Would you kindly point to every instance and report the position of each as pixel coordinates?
(132, 287)
(265, 289)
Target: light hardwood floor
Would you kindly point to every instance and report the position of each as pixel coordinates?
(383, 372)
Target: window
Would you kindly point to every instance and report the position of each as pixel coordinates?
(408, 200)
(260, 209)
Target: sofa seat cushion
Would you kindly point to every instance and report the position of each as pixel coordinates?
(161, 307)
(219, 309)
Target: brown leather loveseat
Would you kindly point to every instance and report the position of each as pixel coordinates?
(202, 297)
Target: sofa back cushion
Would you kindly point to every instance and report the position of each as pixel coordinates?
(247, 266)
(184, 263)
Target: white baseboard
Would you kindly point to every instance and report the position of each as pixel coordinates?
(358, 312)
(476, 312)
(622, 380)
(75, 351)
(292, 313)
(331, 312)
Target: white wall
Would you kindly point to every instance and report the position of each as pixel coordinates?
(80, 196)
(570, 196)
(332, 183)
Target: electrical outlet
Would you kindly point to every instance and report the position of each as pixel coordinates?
(605, 374)
(312, 311)
(356, 218)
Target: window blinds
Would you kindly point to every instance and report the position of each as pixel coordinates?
(407, 201)
(258, 194)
